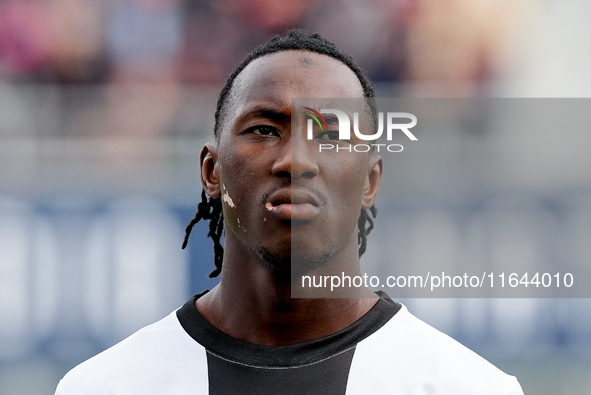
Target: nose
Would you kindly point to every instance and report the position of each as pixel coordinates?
(295, 160)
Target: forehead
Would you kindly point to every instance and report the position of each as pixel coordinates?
(279, 77)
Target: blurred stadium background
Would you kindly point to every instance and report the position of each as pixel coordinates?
(105, 104)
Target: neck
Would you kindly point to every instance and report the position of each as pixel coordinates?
(253, 305)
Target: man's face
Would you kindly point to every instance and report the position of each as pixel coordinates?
(282, 199)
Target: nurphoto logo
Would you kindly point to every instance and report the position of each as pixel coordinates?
(395, 121)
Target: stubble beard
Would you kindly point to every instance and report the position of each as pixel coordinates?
(285, 267)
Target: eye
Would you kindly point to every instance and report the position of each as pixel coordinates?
(328, 135)
(264, 131)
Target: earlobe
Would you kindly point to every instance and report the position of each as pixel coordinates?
(210, 171)
(372, 182)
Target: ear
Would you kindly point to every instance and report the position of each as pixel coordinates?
(372, 182)
(210, 170)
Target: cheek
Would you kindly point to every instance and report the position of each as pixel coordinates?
(240, 161)
(238, 175)
(234, 174)
(231, 199)
(230, 209)
(347, 181)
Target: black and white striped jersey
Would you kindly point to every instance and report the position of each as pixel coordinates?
(387, 351)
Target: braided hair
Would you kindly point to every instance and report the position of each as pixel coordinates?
(211, 208)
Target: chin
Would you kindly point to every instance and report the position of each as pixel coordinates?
(285, 266)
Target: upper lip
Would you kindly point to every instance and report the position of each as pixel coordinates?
(294, 196)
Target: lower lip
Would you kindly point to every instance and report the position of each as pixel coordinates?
(295, 212)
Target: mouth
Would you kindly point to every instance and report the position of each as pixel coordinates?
(294, 204)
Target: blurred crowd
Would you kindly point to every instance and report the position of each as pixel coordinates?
(457, 44)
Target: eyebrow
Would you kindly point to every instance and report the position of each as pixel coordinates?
(330, 118)
(269, 113)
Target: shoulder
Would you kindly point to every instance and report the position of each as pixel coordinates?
(426, 358)
(153, 360)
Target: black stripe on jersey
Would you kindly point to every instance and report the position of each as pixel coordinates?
(252, 355)
(328, 376)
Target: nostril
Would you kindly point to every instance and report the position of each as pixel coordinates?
(282, 174)
(307, 174)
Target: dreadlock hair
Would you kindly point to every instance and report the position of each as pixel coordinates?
(210, 209)
(296, 39)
